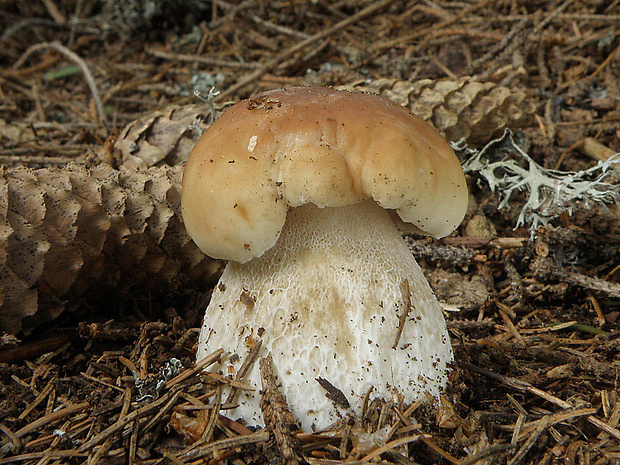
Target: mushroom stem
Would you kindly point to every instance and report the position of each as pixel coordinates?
(327, 302)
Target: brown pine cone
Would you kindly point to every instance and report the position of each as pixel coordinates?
(459, 109)
(66, 233)
(160, 138)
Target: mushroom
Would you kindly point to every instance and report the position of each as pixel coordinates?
(299, 188)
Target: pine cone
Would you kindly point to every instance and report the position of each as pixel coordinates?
(68, 232)
(160, 138)
(459, 109)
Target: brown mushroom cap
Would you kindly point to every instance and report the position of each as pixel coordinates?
(288, 147)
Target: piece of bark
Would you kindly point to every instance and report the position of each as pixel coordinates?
(546, 270)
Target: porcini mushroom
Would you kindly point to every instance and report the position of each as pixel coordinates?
(297, 188)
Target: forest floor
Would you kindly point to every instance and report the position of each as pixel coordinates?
(533, 309)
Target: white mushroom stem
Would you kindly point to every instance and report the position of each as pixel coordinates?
(327, 301)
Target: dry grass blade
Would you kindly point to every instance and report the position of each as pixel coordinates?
(122, 422)
(432, 445)
(207, 434)
(525, 386)
(14, 445)
(55, 454)
(101, 451)
(389, 446)
(51, 417)
(161, 412)
(40, 398)
(525, 448)
(201, 365)
(80, 62)
(489, 451)
(224, 445)
(554, 419)
(243, 370)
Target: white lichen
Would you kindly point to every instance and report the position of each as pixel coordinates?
(548, 193)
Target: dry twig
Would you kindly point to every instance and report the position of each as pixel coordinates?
(79, 61)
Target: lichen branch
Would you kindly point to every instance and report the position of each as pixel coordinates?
(508, 169)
